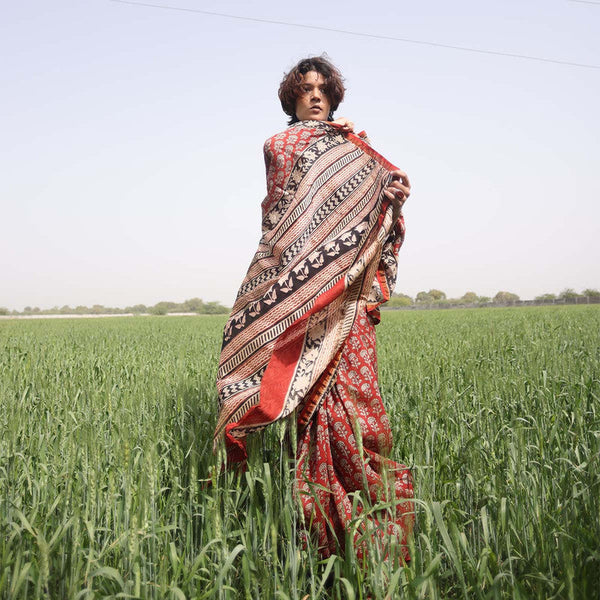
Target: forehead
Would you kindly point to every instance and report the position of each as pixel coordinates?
(314, 78)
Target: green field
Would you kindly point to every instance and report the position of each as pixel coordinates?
(105, 449)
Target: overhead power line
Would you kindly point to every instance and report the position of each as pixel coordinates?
(585, 2)
(362, 34)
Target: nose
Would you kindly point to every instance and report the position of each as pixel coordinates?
(316, 93)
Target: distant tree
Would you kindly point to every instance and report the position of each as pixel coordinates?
(484, 299)
(27, 309)
(164, 307)
(505, 298)
(97, 309)
(402, 295)
(35, 309)
(138, 308)
(545, 298)
(193, 305)
(569, 294)
(65, 310)
(591, 293)
(397, 301)
(423, 297)
(437, 295)
(445, 302)
(4, 310)
(215, 308)
(469, 298)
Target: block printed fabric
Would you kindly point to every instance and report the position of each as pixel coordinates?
(300, 336)
(345, 448)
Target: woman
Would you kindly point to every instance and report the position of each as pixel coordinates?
(301, 339)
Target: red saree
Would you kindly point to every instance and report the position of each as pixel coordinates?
(300, 337)
(345, 449)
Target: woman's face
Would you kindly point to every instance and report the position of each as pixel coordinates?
(313, 103)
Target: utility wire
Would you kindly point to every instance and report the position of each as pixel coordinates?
(585, 2)
(361, 34)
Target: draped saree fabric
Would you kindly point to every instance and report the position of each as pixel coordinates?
(301, 333)
(345, 449)
(330, 239)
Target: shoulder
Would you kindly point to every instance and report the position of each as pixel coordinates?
(296, 135)
(274, 141)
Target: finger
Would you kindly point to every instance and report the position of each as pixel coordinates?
(402, 176)
(398, 197)
(396, 185)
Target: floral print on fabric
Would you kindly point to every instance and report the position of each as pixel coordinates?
(345, 449)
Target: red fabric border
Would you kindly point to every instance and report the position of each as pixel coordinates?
(358, 141)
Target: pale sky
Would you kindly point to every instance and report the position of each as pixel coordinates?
(132, 167)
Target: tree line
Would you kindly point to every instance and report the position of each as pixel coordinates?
(431, 298)
(436, 297)
(192, 305)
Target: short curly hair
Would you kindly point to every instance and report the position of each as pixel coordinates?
(289, 89)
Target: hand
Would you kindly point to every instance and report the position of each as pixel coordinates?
(347, 125)
(399, 188)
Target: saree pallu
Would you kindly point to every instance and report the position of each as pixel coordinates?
(326, 258)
